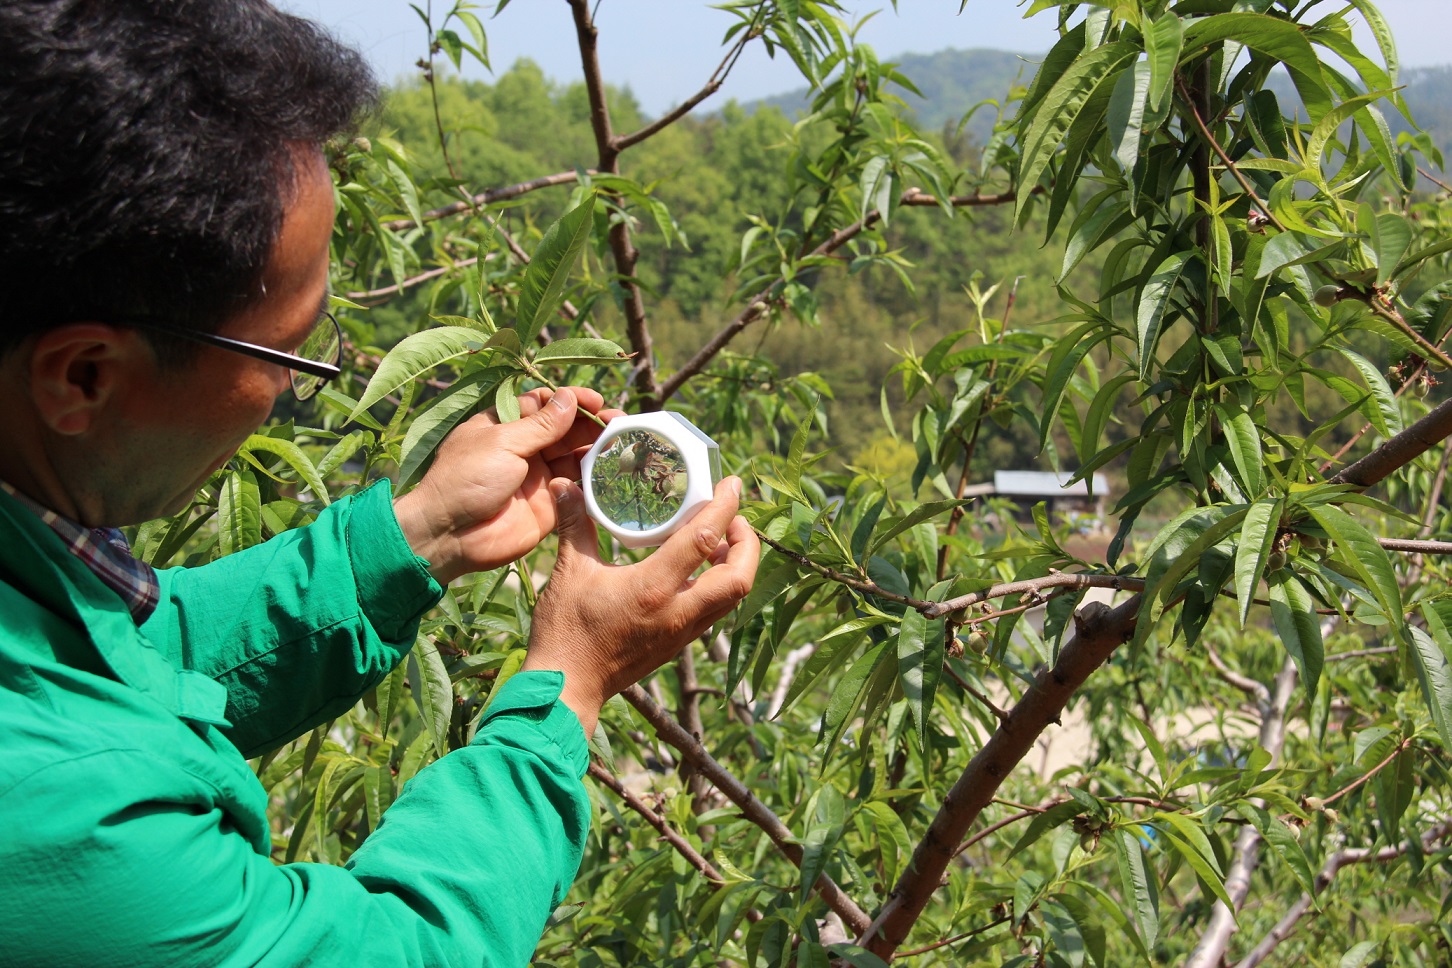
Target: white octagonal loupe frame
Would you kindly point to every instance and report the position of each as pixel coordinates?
(633, 506)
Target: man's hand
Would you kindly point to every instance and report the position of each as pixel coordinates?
(485, 500)
(607, 626)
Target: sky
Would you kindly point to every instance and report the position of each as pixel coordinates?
(664, 50)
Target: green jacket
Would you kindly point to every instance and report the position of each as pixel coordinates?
(133, 832)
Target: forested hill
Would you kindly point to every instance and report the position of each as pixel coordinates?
(953, 81)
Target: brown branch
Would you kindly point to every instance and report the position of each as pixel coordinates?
(842, 578)
(667, 832)
(751, 808)
(489, 197)
(1342, 858)
(962, 937)
(1398, 451)
(622, 248)
(713, 84)
(1416, 547)
(994, 828)
(1362, 653)
(758, 305)
(689, 715)
(1381, 306)
(1096, 639)
(412, 281)
(1229, 165)
(1054, 580)
(967, 687)
(1245, 684)
(1361, 780)
(1434, 180)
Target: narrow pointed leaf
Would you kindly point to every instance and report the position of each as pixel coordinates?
(549, 269)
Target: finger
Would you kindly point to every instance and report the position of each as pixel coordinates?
(549, 423)
(723, 585)
(683, 552)
(579, 541)
(582, 434)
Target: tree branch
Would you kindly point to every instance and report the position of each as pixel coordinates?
(489, 197)
(622, 248)
(1054, 580)
(667, 832)
(757, 305)
(1245, 184)
(1096, 640)
(1416, 547)
(713, 84)
(1400, 450)
(1245, 684)
(842, 578)
(751, 808)
(1342, 858)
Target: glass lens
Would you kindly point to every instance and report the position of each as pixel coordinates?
(639, 481)
(323, 345)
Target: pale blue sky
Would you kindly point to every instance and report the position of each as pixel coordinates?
(665, 49)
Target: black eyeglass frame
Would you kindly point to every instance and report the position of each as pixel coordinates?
(293, 362)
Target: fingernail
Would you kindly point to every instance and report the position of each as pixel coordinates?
(735, 484)
(563, 400)
(558, 490)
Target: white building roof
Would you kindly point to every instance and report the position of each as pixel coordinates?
(1046, 484)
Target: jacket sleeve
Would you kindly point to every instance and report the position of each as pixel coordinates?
(300, 626)
(146, 868)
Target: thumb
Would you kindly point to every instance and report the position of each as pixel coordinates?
(579, 540)
(529, 435)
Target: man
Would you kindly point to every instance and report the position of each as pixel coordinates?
(164, 222)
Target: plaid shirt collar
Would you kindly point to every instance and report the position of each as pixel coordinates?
(107, 553)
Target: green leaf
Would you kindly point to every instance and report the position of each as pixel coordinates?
(413, 357)
(1381, 392)
(1430, 651)
(893, 843)
(581, 350)
(542, 291)
(1293, 613)
(433, 693)
(1257, 535)
(293, 455)
(855, 956)
(1243, 437)
(506, 399)
(1154, 306)
(1138, 885)
(1068, 353)
(1186, 836)
(1359, 549)
(1326, 126)
(1283, 841)
(377, 793)
(429, 428)
(822, 836)
(1061, 106)
(1127, 114)
(846, 698)
(920, 665)
(1274, 37)
(1359, 955)
(1163, 39)
(919, 514)
(239, 513)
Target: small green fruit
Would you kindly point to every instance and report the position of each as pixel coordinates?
(979, 641)
(1276, 561)
(1327, 296)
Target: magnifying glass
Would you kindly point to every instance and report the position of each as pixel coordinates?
(647, 475)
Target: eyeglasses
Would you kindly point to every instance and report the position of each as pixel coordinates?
(316, 362)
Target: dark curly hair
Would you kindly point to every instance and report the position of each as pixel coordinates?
(146, 152)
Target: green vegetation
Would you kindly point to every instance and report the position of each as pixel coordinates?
(1234, 305)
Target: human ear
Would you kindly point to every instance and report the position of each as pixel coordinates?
(75, 371)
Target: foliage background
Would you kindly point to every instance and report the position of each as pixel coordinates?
(1163, 259)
